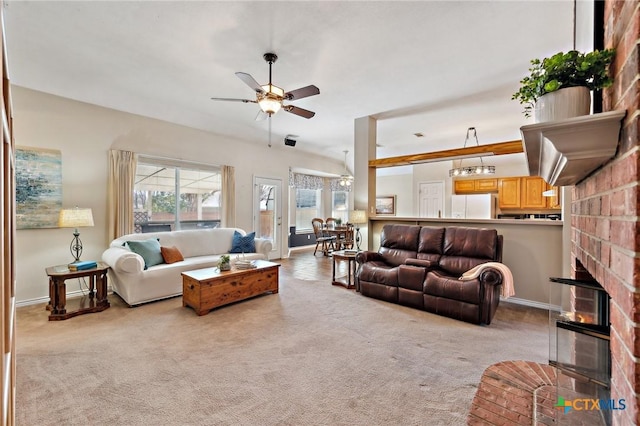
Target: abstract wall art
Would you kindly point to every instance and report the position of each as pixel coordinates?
(38, 187)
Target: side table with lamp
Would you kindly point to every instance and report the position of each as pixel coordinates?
(357, 218)
(95, 272)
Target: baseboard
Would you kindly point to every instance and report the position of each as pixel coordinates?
(526, 302)
(301, 248)
(71, 294)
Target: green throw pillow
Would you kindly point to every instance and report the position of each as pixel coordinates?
(149, 250)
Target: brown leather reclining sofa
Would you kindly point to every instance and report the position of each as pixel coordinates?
(419, 266)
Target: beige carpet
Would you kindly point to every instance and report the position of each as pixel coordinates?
(314, 354)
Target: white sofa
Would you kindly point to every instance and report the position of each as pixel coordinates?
(200, 248)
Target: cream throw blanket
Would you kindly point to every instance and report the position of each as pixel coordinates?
(507, 289)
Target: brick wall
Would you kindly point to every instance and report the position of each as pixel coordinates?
(604, 221)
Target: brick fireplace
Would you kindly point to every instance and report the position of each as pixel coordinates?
(604, 212)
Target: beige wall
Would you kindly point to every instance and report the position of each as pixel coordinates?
(402, 187)
(84, 133)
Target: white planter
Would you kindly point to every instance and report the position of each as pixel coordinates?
(562, 104)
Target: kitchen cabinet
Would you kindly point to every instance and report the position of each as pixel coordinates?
(525, 193)
(475, 186)
(466, 186)
(531, 189)
(555, 201)
(509, 193)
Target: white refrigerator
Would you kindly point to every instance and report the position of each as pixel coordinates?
(475, 206)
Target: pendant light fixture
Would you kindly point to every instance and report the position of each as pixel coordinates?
(345, 179)
(472, 170)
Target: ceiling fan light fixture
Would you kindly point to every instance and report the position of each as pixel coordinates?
(269, 104)
(345, 179)
(274, 90)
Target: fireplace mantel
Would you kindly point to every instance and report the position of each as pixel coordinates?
(566, 151)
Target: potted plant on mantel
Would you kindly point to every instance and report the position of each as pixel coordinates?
(560, 87)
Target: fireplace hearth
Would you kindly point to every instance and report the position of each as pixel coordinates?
(579, 348)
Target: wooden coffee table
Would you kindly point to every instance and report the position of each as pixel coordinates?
(205, 289)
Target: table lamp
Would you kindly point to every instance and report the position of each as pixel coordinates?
(75, 218)
(358, 217)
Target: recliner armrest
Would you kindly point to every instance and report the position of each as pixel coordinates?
(420, 262)
(491, 276)
(368, 256)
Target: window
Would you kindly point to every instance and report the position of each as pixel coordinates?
(307, 207)
(176, 195)
(340, 205)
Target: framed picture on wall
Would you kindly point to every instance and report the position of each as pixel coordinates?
(386, 205)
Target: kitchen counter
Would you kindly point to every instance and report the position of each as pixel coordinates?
(461, 222)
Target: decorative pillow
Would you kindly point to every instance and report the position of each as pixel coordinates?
(149, 250)
(171, 254)
(246, 244)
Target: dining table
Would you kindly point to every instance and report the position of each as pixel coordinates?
(341, 233)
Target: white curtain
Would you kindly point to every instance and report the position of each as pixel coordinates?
(228, 197)
(122, 172)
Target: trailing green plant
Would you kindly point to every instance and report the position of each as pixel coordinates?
(224, 260)
(562, 70)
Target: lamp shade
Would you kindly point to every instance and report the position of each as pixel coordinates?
(358, 216)
(75, 218)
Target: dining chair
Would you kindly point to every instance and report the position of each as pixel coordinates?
(326, 242)
(346, 239)
(331, 222)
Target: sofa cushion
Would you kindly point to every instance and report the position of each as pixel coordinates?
(398, 243)
(471, 242)
(243, 243)
(379, 272)
(148, 249)
(171, 254)
(451, 288)
(465, 248)
(430, 243)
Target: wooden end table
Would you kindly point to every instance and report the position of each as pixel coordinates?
(81, 305)
(350, 258)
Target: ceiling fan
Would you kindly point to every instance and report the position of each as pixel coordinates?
(270, 98)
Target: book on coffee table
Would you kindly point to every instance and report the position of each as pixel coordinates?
(245, 264)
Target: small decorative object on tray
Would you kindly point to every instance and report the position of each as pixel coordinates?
(242, 263)
(83, 265)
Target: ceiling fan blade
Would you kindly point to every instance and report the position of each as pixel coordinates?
(246, 101)
(299, 111)
(250, 81)
(302, 92)
(261, 115)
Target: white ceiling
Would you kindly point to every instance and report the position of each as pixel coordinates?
(430, 67)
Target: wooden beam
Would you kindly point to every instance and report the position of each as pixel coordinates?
(501, 148)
